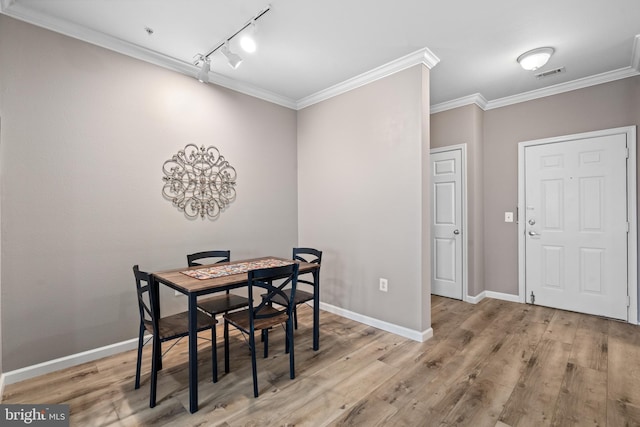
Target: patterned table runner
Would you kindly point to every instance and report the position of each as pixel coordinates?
(242, 267)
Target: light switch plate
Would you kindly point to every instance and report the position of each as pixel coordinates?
(508, 217)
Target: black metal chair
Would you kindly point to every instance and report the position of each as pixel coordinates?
(217, 304)
(312, 256)
(164, 329)
(214, 257)
(265, 316)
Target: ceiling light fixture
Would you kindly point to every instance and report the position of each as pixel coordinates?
(248, 41)
(536, 58)
(233, 59)
(203, 74)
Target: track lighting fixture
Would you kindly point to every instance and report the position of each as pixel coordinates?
(247, 43)
(203, 74)
(233, 58)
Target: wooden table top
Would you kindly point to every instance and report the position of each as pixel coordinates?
(187, 284)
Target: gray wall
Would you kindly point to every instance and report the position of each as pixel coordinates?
(1, 371)
(603, 106)
(363, 160)
(465, 126)
(85, 132)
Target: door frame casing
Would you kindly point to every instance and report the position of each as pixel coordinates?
(464, 240)
(632, 235)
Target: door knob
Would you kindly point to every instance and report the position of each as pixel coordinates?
(533, 233)
(456, 232)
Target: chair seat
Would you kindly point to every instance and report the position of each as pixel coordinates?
(301, 296)
(177, 325)
(222, 303)
(241, 318)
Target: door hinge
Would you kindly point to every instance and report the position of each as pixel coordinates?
(628, 301)
(628, 226)
(626, 152)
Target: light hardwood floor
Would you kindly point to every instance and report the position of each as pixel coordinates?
(492, 364)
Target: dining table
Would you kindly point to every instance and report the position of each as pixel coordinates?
(202, 280)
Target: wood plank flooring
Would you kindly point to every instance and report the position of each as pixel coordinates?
(492, 364)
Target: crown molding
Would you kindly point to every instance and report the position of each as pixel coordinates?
(609, 76)
(635, 53)
(250, 90)
(476, 99)
(584, 82)
(422, 56)
(17, 11)
(481, 102)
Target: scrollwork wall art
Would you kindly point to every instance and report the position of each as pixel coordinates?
(199, 181)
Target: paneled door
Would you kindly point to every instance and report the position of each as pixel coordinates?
(575, 213)
(446, 223)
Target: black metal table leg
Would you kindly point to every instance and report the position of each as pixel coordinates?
(316, 309)
(154, 288)
(193, 354)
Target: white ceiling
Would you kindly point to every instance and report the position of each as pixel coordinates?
(307, 47)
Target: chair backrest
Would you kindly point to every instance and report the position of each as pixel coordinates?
(310, 255)
(216, 257)
(145, 299)
(264, 278)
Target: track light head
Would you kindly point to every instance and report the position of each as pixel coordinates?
(247, 41)
(233, 58)
(203, 74)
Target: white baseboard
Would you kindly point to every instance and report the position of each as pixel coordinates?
(385, 326)
(501, 296)
(476, 299)
(1, 386)
(28, 372)
(495, 295)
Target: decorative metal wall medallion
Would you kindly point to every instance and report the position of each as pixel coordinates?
(199, 181)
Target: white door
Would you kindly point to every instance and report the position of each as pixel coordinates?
(446, 223)
(576, 225)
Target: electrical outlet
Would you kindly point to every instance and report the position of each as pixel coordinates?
(384, 285)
